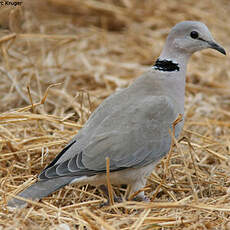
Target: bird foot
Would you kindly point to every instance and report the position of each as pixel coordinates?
(107, 203)
(141, 198)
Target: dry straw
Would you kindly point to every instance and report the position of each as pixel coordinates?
(59, 60)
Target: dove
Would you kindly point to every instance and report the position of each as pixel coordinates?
(130, 127)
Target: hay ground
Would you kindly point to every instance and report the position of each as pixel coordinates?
(60, 59)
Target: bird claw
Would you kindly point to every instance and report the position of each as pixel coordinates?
(141, 198)
(107, 203)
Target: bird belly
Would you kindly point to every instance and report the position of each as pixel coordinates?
(125, 176)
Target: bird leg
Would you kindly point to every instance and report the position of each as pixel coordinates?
(136, 191)
(105, 191)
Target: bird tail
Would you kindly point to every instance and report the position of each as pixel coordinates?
(39, 190)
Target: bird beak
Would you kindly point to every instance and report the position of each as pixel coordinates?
(214, 45)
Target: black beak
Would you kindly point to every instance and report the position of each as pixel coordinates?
(217, 47)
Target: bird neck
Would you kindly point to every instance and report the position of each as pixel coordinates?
(166, 65)
(172, 59)
(173, 66)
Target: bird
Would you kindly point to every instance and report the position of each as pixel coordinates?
(131, 126)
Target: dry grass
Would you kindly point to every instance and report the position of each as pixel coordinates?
(91, 48)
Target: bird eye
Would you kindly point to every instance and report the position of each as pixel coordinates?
(194, 34)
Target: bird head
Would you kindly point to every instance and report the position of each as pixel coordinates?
(191, 36)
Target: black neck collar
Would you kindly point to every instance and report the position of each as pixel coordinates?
(166, 65)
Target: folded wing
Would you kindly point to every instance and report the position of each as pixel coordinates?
(133, 137)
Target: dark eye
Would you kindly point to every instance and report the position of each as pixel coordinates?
(194, 35)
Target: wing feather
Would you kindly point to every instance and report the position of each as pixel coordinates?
(134, 137)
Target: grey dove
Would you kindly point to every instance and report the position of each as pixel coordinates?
(131, 126)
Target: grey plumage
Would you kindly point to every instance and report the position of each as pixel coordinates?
(131, 127)
(39, 190)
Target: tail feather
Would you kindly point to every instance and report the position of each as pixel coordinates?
(39, 190)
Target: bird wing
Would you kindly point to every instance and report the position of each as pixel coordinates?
(132, 137)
